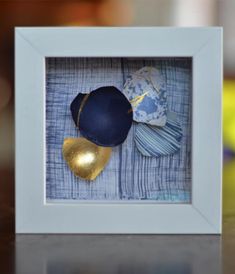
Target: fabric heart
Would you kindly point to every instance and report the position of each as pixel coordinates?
(146, 90)
(84, 158)
(159, 141)
(104, 116)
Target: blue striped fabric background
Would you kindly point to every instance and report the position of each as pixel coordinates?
(128, 175)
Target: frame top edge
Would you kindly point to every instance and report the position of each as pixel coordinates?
(38, 28)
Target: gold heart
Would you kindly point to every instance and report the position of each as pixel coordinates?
(85, 159)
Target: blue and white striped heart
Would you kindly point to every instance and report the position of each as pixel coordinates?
(155, 141)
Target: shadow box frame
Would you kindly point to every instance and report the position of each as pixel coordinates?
(34, 215)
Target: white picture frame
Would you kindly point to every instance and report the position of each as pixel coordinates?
(34, 215)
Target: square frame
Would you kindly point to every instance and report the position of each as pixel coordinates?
(34, 215)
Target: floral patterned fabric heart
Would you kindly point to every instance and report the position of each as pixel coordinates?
(146, 90)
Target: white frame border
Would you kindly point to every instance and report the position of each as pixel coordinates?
(33, 45)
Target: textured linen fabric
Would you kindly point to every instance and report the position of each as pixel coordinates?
(128, 175)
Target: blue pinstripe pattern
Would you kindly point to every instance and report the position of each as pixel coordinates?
(158, 141)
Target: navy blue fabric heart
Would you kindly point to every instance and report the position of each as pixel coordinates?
(104, 117)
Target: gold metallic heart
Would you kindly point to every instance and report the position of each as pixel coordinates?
(84, 158)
